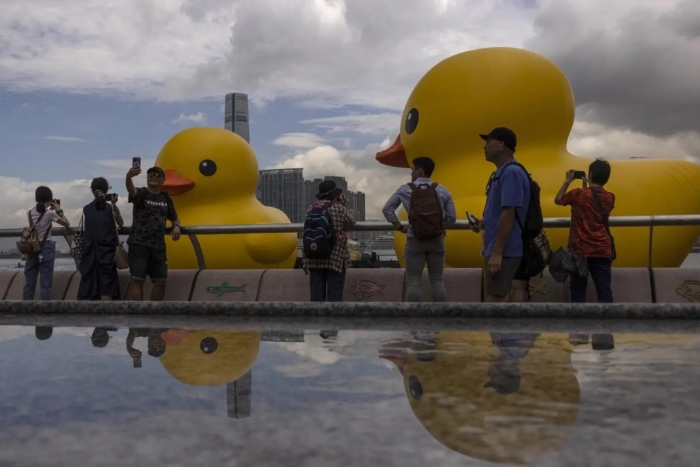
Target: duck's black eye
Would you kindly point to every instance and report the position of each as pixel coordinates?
(412, 121)
(208, 345)
(415, 387)
(207, 168)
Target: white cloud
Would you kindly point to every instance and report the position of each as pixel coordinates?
(329, 52)
(596, 140)
(199, 117)
(373, 124)
(67, 139)
(299, 140)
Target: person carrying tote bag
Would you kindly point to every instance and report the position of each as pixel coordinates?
(100, 242)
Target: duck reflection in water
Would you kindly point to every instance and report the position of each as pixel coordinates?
(497, 397)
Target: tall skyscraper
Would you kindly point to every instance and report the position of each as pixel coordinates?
(236, 115)
(284, 190)
(238, 395)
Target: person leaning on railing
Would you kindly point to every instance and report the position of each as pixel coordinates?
(589, 236)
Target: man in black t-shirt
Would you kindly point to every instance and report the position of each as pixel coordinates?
(152, 207)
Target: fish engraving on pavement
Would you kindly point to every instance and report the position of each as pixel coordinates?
(542, 288)
(690, 290)
(365, 288)
(219, 290)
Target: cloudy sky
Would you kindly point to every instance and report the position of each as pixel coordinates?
(87, 84)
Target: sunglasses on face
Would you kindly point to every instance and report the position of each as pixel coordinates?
(154, 175)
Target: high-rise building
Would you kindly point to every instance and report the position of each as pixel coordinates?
(238, 395)
(284, 190)
(236, 115)
(356, 200)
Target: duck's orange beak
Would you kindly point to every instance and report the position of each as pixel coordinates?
(175, 184)
(394, 155)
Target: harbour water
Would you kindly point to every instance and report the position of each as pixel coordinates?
(191, 396)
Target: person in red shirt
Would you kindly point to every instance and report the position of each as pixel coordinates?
(588, 236)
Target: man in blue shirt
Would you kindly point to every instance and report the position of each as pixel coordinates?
(507, 192)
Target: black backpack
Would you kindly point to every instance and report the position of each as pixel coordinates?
(536, 249)
(319, 236)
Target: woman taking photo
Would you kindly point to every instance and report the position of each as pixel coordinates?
(98, 268)
(41, 217)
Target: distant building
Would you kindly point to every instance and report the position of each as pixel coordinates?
(284, 190)
(356, 200)
(236, 115)
(238, 395)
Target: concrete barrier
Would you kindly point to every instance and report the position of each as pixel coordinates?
(675, 285)
(546, 290)
(284, 285)
(461, 285)
(235, 285)
(72, 292)
(6, 278)
(178, 288)
(629, 285)
(61, 280)
(374, 285)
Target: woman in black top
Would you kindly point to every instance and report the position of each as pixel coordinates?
(98, 269)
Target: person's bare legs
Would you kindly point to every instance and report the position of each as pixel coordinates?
(158, 291)
(519, 291)
(106, 298)
(136, 290)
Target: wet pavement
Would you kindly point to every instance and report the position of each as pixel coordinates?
(179, 392)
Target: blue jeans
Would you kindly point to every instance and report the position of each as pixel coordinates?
(40, 265)
(601, 273)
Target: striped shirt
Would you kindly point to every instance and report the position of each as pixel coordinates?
(402, 196)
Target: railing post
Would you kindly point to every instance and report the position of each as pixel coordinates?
(651, 242)
(197, 251)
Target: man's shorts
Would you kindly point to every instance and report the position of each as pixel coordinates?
(500, 284)
(146, 261)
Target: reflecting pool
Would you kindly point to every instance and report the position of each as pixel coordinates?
(229, 395)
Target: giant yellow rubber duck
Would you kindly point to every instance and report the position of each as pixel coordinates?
(498, 398)
(471, 93)
(212, 175)
(209, 357)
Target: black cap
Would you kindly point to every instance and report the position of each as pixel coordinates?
(157, 170)
(504, 135)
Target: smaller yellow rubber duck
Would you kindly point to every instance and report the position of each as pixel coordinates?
(209, 357)
(498, 397)
(212, 175)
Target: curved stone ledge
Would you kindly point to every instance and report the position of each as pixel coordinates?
(362, 309)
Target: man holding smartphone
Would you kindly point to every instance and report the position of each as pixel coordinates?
(147, 255)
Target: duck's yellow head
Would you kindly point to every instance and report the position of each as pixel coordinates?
(208, 163)
(498, 398)
(473, 92)
(208, 358)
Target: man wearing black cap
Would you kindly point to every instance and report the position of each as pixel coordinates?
(327, 279)
(507, 199)
(152, 207)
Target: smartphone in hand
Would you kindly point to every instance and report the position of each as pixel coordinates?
(136, 162)
(579, 174)
(472, 220)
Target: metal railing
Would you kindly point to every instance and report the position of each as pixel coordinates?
(377, 226)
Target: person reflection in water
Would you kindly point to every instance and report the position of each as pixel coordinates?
(504, 370)
(43, 332)
(156, 344)
(100, 337)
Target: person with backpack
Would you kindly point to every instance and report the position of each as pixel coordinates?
(505, 213)
(37, 245)
(325, 242)
(589, 234)
(429, 206)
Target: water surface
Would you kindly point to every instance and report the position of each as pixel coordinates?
(317, 397)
